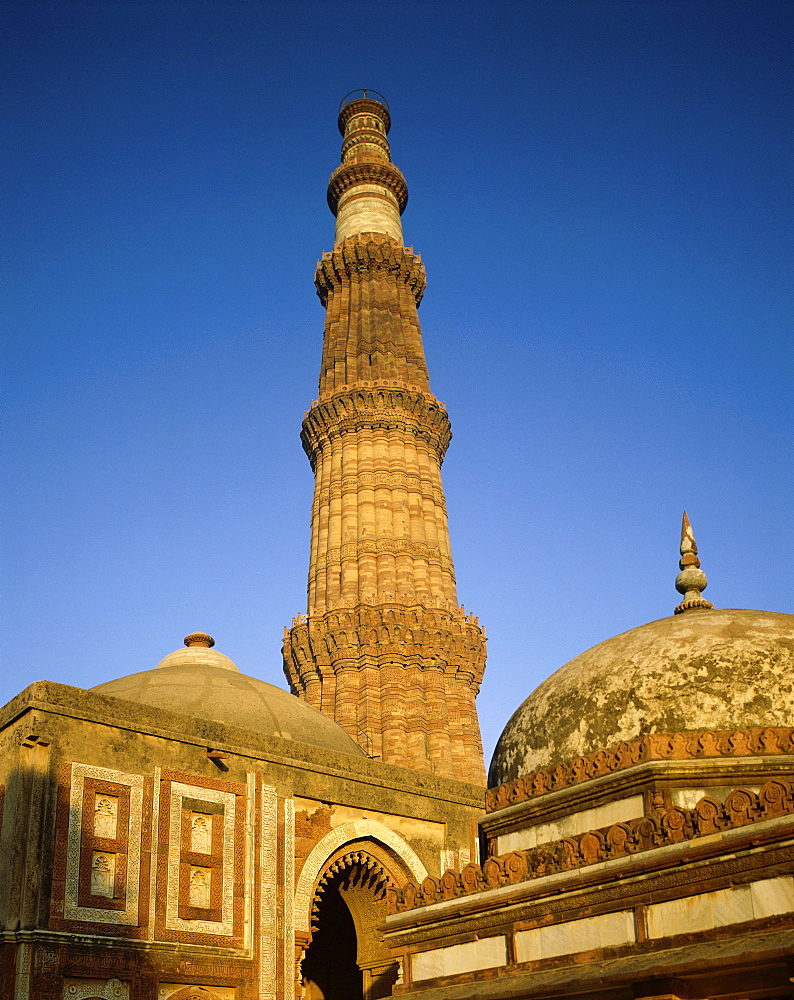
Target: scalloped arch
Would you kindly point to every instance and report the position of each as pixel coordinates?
(359, 829)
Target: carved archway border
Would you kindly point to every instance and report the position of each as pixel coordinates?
(360, 869)
(356, 830)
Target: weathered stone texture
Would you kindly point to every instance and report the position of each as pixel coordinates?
(703, 670)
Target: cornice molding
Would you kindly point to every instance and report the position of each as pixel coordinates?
(451, 640)
(675, 825)
(694, 745)
(389, 408)
(364, 106)
(350, 175)
(369, 254)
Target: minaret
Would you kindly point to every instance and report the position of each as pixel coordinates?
(385, 650)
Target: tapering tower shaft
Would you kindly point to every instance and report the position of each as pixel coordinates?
(384, 648)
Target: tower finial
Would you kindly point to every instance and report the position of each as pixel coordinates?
(691, 580)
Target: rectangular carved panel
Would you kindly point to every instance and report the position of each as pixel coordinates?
(101, 858)
(200, 878)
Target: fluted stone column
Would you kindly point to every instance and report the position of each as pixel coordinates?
(384, 648)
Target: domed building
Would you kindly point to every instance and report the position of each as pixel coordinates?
(190, 832)
(201, 682)
(706, 670)
(640, 825)
(196, 833)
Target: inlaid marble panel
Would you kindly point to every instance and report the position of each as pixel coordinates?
(103, 874)
(106, 814)
(199, 883)
(103, 821)
(268, 935)
(200, 833)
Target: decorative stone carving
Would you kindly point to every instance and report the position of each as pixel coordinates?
(653, 746)
(106, 816)
(392, 408)
(198, 902)
(201, 833)
(99, 871)
(95, 989)
(199, 894)
(740, 808)
(103, 874)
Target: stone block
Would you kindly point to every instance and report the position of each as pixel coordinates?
(487, 953)
(607, 930)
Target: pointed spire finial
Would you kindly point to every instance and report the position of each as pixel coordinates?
(691, 580)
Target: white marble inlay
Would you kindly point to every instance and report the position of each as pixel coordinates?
(772, 896)
(606, 930)
(267, 912)
(103, 874)
(368, 208)
(199, 888)
(201, 833)
(106, 813)
(688, 798)
(173, 921)
(290, 966)
(106, 989)
(129, 915)
(488, 953)
(737, 905)
(167, 990)
(571, 826)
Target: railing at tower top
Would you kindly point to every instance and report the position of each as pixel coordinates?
(363, 95)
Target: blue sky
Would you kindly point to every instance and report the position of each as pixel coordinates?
(601, 195)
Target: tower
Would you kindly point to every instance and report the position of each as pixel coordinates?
(384, 648)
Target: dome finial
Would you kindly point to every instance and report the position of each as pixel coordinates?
(691, 580)
(199, 639)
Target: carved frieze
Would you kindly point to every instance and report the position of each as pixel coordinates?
(369, 254)
(652, 746)
(453, 640)
(108, 989)
(670, 826)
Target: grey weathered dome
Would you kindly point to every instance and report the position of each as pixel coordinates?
(205, 684)
(701, 670)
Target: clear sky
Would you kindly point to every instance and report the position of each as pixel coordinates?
(601, 194)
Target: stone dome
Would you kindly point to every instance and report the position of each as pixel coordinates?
(197, 656)
(200, 682)
(702, 670)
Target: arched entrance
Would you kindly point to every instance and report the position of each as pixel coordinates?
(346, 958)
